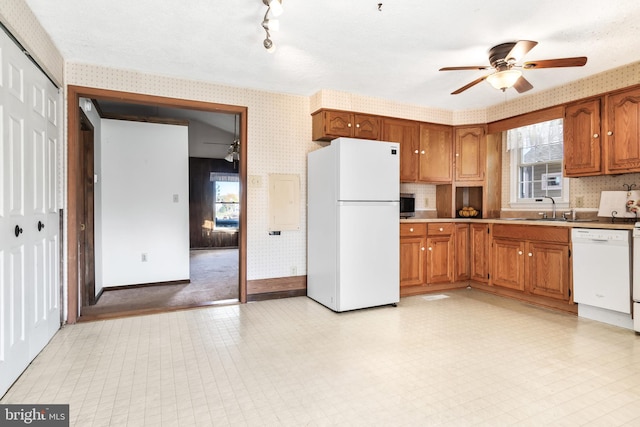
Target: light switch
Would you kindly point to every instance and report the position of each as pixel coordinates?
(255, 181)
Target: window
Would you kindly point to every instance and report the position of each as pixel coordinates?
(226, 206)
(536, 164)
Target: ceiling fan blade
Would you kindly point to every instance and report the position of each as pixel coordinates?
(468, 85)
(521, 48)
(522, 85)
(578, 61)
(471, 67)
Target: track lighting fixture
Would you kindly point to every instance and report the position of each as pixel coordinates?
(274, 7)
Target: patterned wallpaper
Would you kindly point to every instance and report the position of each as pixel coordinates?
(18, 18)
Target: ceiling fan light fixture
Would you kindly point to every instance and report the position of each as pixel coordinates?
(503, 80)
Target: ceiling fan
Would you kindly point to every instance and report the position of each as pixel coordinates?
(505, 58)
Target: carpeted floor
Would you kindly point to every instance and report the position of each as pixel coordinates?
(214, 277)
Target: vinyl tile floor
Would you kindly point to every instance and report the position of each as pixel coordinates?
(465, 360)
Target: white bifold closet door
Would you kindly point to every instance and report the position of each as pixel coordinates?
(30, 138)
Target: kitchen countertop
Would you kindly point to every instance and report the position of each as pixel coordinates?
(600, 223)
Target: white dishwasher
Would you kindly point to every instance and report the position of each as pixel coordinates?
(602, 275)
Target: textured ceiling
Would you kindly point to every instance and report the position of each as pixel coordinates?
(348, 46)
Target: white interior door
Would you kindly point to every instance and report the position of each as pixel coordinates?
(29, 215)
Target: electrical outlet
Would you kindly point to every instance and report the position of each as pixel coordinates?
(294, 270)
(144, 257)
(426, 202)
(579, 201)
(176, 198)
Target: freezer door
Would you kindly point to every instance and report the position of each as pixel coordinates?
(369, 258)
(368, 170)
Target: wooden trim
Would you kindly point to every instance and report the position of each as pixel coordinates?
(525, 119)
(277, 295)
(74, 93)
(407, 291)
(146, 119)
(527, 298)
(144, 285)
(278, 284)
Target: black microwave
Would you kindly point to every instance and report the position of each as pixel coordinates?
(407, 205)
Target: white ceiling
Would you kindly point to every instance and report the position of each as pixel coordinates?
(346, 45)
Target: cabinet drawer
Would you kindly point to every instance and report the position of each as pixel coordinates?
(440, 229)
(532, 232)
(414, 229)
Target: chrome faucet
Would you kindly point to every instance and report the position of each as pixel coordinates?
(553, 206)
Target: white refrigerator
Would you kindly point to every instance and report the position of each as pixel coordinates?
(353, 234)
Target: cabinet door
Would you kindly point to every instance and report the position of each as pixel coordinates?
(479, 248)
(435, 160)
(582, 139)
(507, 265)
(439, 259)
(338, 123)
(548, 270)
(622, 151)
(461, 255)
(366, 126)
(470, 154)
(407, 134)
(412, 260)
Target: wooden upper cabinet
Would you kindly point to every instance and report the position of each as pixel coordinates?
(407, 134)
(470, 157)
(331, 124)
(622, 132)
(435, 153)
(582, 139)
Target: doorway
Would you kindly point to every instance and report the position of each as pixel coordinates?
(75, 238)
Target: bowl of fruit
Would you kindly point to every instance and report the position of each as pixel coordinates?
(468, 212)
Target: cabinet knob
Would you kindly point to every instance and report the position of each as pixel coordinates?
(422, 152)
(422, 248)
(595, 135)
(441, 229)
(457, 155)
(357, 125)
(430, 248)
(609, 133)
(349, 125)
(411, 229)
(416, 151)
(519, 252)
(530, 254)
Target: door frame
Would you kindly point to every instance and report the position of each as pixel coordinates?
(86, 263)
(74, 147)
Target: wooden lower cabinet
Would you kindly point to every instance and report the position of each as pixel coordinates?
(413, 242)
(548, 270)
(462, 249)
(433, 257)
(532, 263)
(527, 262)
(479, 252)
(507, 264)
